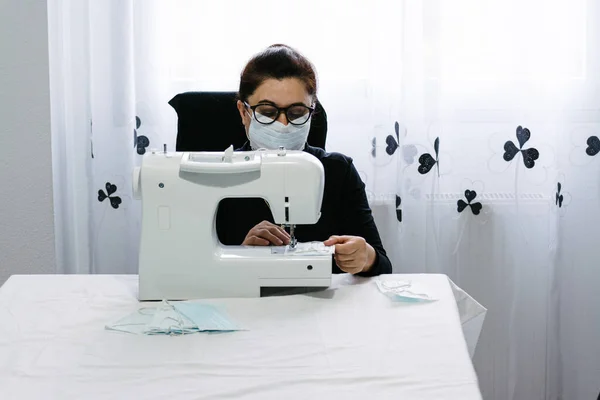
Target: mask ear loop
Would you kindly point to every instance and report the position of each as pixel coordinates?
(178, 329)
(141, 311)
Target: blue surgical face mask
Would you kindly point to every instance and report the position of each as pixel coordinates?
(179, 318)
(275, 135)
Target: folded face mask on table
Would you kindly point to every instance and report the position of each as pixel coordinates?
(404, 291)
(178, 318)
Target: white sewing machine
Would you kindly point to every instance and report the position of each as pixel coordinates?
(180, 256)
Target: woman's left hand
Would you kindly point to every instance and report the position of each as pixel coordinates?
(352, 253)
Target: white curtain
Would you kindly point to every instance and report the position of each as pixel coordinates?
(474, 124)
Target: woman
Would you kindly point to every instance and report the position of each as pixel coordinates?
(277, 94)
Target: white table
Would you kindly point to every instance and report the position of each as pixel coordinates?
(349, 342)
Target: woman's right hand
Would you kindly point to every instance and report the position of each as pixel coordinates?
(265, 234)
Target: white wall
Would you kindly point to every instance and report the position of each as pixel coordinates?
(26, 218)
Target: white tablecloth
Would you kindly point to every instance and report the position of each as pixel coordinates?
(349, 342)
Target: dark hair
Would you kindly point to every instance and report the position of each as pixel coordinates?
(277, 61)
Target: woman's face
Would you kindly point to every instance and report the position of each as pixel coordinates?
(281, 93)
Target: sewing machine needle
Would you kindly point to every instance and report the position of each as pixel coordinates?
(292, 238)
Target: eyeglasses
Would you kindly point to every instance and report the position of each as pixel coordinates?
(296, 114)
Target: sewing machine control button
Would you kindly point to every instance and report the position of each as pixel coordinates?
(164, 217)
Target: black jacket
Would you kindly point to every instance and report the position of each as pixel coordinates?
(344, 211)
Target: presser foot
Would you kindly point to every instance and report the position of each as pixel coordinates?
(293, 243)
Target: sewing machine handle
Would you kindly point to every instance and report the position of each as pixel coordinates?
(219, 167)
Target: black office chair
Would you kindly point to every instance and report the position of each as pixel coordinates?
(210, 121)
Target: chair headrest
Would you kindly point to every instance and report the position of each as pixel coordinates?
(210, 121)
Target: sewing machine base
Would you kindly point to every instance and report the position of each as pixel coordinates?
(236, 272)
(264, 288)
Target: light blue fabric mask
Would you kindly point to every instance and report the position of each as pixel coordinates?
(274, 135)
(206, 317)
(175, 319)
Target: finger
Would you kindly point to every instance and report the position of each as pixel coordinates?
(267, 234)
(267, 224)
(347, 248)
(334, 240)
(287, 235)
(350, 267)
(344, 257)
(255, 241)
(280, 233)
(276, 230)
(347, 263)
